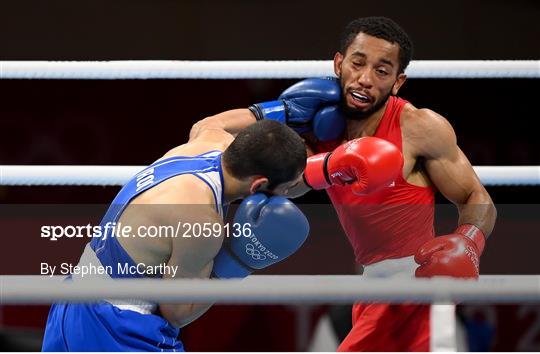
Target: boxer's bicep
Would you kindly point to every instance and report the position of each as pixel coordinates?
(232, 121)
(214, 138)
(447, 166)
(235, 120)
(453, 177)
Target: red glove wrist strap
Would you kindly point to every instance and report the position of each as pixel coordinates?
(316, 173)
(474, 233)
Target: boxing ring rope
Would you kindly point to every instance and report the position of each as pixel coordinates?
(278, 69)
(19, 175)
(265, 289)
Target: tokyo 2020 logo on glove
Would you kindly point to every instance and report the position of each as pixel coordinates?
(254, 253)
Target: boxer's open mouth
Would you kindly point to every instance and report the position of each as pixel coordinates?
(360, 97)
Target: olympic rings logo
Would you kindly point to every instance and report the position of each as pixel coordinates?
(254, 253)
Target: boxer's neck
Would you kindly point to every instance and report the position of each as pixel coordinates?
(233, 188)
(366, 126)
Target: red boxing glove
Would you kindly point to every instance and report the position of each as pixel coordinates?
(455, 255)
(367, 164)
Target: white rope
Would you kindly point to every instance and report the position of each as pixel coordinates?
(273, 290)
(508, 175)
(291, 69)
(18, 175)
(75, 175)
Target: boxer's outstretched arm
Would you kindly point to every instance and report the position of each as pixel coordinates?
(232, 122)
(452, 173)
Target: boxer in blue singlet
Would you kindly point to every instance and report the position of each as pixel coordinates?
(191, 183)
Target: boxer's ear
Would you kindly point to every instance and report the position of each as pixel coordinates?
(399, 82)
(338, 60)
(258, 184)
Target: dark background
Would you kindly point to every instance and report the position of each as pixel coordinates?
(136, 121)
(242, 29)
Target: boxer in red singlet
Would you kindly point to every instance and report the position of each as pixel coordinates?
(390, 228)
(385, 229)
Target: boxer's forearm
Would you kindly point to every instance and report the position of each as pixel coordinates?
(193, 256)
(180, 315)
(479, 210)
(197, 311)
(232, 121)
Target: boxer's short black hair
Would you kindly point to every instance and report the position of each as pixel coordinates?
(266, 148)
(383, 28)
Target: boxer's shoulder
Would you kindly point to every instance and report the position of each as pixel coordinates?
(425, 129)
(184, 189)
(211, 139)
(195, 148)
(422, 119)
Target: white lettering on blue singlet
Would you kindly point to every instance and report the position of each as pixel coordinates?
(145, 178)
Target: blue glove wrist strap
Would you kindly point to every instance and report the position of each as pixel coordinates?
(276, 110)
(273, 110)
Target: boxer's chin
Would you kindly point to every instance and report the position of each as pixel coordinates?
(356, 113)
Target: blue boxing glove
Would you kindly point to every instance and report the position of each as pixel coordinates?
(329, 123)
(298, 105)
(277, 228)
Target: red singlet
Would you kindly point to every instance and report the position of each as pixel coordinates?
(390, 223)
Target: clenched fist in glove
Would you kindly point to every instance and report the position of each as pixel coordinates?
(455, 255)
(367, 164)
(308, 105)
